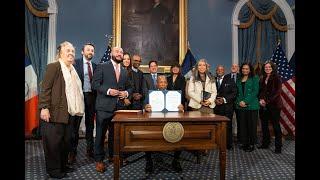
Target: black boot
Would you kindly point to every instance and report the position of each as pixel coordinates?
(149, 166)
(57, 175)
(277, 150)
(263, 146)
(176, 165)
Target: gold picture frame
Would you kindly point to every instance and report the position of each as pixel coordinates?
(117, 35)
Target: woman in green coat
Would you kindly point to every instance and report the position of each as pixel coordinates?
(247, 104)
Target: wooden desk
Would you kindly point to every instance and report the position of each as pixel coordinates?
(143, 132)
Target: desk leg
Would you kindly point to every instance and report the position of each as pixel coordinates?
(222, 150)
(116, 149)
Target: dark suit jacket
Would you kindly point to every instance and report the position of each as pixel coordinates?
(53, 95)
(271, 91)
(105, 78)
(228, 90)
(79, 67)
(137, 87)
(237, 76)
(137, 78)
(148, 84)
(179, 84)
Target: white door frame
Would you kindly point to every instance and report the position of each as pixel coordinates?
(52, 11)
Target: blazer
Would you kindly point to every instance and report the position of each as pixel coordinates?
(195, 92)
(228, 90)
(250, 95)
(148, 84)
(179, 84)
(105, 78)
(53, 95)
(271, 91)
(137, 78)
(78, 65)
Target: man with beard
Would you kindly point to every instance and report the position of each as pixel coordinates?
(110, 80)
(85, 69)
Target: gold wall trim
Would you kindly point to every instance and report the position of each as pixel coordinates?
(116, 30)
(116, 23)
(182, 29)
(35, 11)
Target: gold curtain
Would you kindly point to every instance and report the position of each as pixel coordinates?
(35, 11)
(260, 16)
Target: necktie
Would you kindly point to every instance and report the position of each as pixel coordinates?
(154, 79)
(219, 82)
(233, 77)
(117, 72)
(89, 72)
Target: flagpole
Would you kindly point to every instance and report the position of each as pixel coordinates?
(188, 47)
(279, 41)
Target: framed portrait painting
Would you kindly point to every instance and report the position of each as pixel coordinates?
(153, 29)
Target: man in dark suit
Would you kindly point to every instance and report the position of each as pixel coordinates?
(234, 75)
(110, 80)
(137, 78)
(226, 95)
(150, 80)
(162, 84)
(150, 83)
(85, 69)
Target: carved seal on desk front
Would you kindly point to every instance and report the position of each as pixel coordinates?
(173, 132)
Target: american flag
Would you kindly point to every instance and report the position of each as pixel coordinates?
(106, 56)
(287, 114)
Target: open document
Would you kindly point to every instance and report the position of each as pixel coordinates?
(164, 100)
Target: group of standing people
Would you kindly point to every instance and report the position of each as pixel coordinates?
(73, 88)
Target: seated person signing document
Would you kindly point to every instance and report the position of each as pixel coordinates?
(157, 98)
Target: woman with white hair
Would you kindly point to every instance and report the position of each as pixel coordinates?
(60, 102)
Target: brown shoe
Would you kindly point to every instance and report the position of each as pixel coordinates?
(71, 158)
(100, 167)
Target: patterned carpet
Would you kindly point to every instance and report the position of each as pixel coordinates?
(259, 164)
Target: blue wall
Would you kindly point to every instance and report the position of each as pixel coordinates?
(209, 30)
(82, 21)
(209, 27)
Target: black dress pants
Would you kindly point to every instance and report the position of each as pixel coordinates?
(273, 114)
(248, 125)
(56, 145)
(89, 102)
(103, 122)
(75, 125)
(228, 112)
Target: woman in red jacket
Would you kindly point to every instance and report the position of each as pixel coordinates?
(271, 103)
